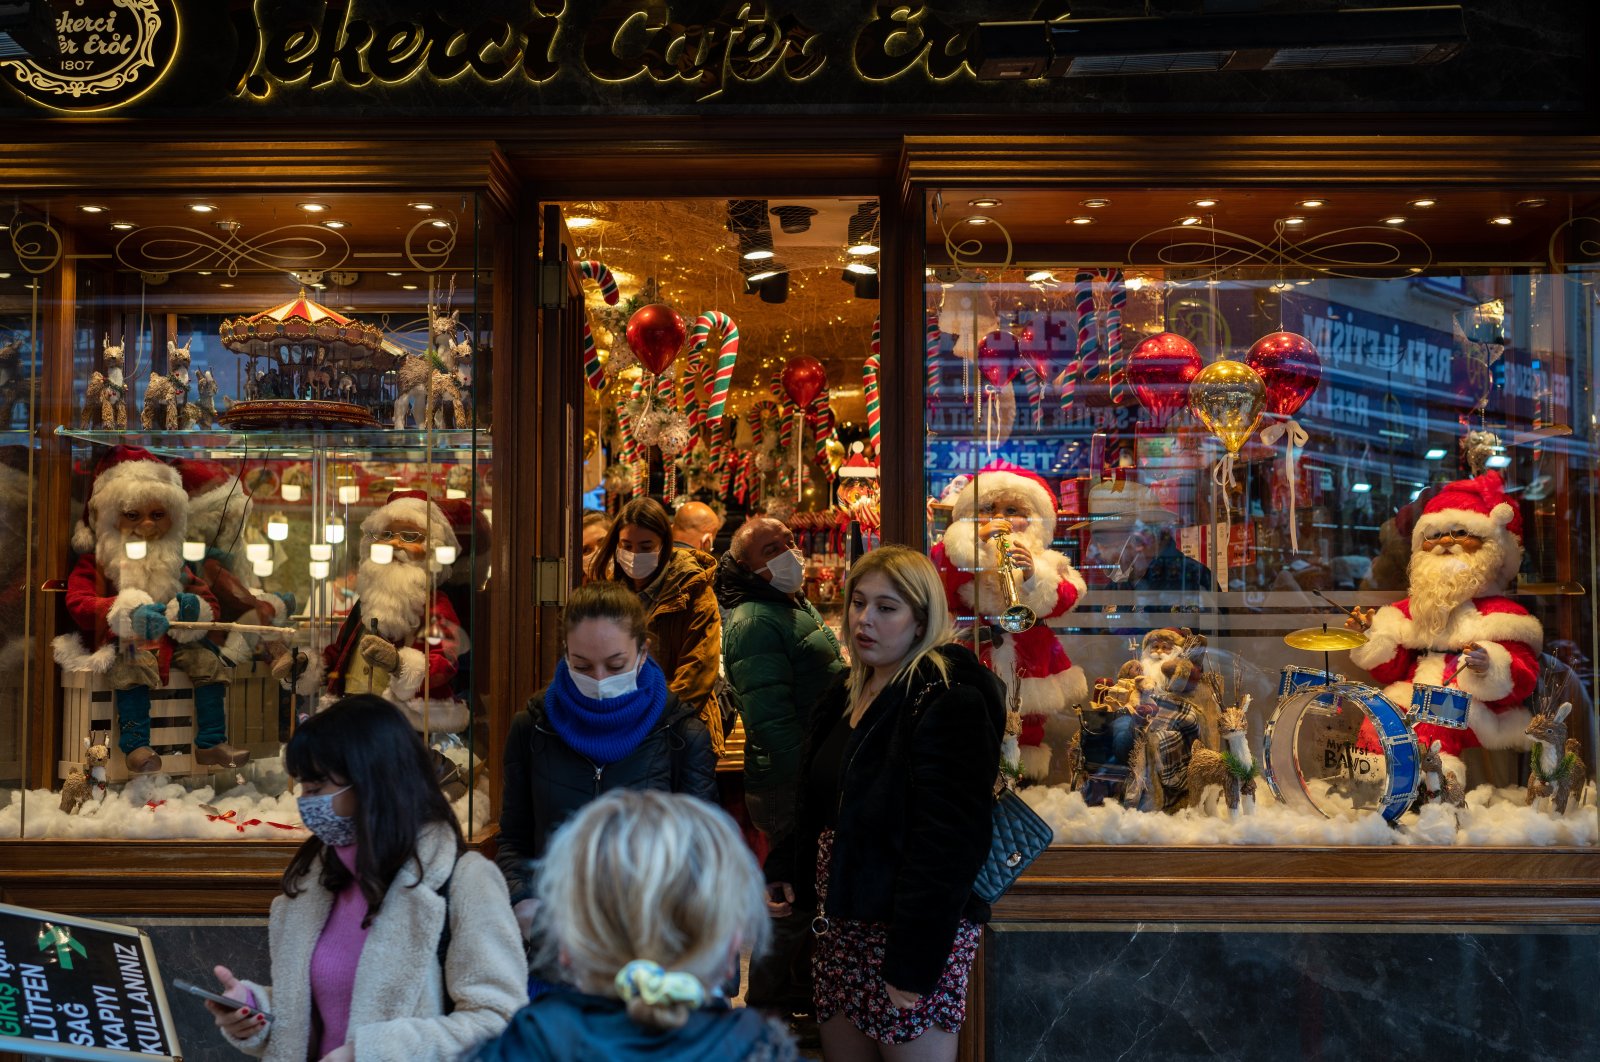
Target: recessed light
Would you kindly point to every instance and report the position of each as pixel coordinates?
(393, 274)
(312, 208)
(863, 248)
(439, 223)
(1190, 220)
(1203, 203)
(90, 208)
(335, 224)
(1396, 220)
(759, 253)
(1312, 204)
(860, 267)
(1533, 203)
(408, 287)
(578, 222)
(5, 276)
(1081, 219)
(1291, 222)
(1094, 204)
(1039, 276)
(224, 284)
(123, 226)
(1423, 204)
(764, 274)
(202, 208)
(429, 206)
(979, 219)
(985, 203)
(203, 272)
(1500, 220)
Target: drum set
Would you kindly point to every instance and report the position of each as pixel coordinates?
(1334, 746)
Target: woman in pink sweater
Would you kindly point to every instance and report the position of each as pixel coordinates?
(391, 941)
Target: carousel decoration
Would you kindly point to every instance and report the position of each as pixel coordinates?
(305, 365)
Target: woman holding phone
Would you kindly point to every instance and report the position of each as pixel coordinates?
(391, 941)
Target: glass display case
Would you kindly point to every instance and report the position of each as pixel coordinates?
(253, 476)
(1273, 508)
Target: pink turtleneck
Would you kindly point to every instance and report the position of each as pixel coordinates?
(334, 961)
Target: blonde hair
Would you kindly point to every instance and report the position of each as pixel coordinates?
(916, 580)
(648, 875)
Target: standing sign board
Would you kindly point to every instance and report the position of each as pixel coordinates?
(80, 988)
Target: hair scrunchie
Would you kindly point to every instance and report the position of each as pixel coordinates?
(645, 980)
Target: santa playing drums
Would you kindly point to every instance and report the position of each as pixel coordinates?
(1456, 628)
(402, 638)
(1003, 499)
(129, 586)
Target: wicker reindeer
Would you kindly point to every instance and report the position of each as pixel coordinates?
(202, 412)
(166, 399)
(107, 392)
(1556, 772)
(1439, 786)
(88, 779)
(432, 379)
(1232, 770)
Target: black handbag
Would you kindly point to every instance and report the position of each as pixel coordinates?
(1019, 836)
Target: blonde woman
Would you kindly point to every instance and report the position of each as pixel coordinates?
(895, 809)
(645, 899)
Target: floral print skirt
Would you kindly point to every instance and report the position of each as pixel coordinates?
(847, 966)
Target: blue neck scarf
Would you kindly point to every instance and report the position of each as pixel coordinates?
(605, 731)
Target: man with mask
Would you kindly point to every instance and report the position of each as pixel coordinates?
(696, 526)
(780, 657)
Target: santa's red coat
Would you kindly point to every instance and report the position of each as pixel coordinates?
(98, 609)
(435, 657)
(1398, 657)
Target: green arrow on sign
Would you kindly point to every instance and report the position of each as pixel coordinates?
(60, 938)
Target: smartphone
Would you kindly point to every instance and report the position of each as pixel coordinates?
(204, 993)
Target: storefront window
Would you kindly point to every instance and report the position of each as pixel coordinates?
(1297, 498)
(270, 486)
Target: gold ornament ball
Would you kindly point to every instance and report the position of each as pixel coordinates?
(1228, 397)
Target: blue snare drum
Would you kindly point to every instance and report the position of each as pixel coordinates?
(1292, 679)
(1440, 706)
(1312, 760)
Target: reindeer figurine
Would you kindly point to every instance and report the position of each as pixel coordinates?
(435, 378)
(1233, 770)
(202, 413)
(1439, 786)
(1556, 772)
(87, 779)
(167, 397)
(107, 391)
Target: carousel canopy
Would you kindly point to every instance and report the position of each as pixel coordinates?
(300, 320)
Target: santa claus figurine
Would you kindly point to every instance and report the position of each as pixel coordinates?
(401, 640)
(1456, 628)
(129, 585)
(1040, 679)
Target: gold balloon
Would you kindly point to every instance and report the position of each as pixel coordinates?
(1228, 397)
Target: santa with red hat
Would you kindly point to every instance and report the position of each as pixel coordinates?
(1457, 628)
(130, 584)
(402, 639)
(1040, 678)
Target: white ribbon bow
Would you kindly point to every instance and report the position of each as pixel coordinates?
(1295, 437)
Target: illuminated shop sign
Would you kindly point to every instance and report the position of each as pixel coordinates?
(110, 52)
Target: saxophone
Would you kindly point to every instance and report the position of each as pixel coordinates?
(1017, 617)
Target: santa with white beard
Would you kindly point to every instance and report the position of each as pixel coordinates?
(1456, 628)
(1039, 676)
(129, 585)
(401, 640)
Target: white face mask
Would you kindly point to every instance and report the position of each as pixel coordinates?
(788, 572)
(638, 565)
(618, 685)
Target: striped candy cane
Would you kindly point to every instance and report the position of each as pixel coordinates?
(727, 356)
(930, 354)
(1116, 356)
(822, 424)
(597, 272)
(869, 388)
(1088, 335)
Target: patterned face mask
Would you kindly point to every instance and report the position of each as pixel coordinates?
(318, 816)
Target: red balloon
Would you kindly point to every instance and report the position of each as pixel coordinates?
(803, 379)
(999, 358)
(1289, 366)
(655, 335)
(1034, 347)
(1160, 370)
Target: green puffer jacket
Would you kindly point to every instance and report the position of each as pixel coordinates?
(780, 658)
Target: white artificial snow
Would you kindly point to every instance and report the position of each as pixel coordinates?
(1493, 817)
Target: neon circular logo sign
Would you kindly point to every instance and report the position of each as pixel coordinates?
(111, 53)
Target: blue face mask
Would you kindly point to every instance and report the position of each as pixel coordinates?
(318, 816)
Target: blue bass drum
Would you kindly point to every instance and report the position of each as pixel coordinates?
(1293, 679)
(1440, 706)
(1316, 761)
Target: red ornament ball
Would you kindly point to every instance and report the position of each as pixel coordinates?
(999, 358)
(803, 380)
(1160, 370)
(1289, 366)
(655, 335)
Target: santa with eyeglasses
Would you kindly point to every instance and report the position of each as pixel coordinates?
(1457, 628)
(401, 640)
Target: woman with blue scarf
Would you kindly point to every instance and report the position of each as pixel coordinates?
(606, 721)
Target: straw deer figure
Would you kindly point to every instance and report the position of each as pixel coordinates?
(87, 779)
(1232, 771)
(166, 399)
(107, 392)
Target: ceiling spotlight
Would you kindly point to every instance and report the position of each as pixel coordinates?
(861, 267)
(794, 219)
(575, 222)
(90, 208)
(1204, 203)
(1533, 203)
(225, 284)
(429, 206)
(1423, 204)
(1396, 220)
(439, 223)
(1292, 222)
(334, 224)
(1095, 204)
(984, 203)
(312, 208)
(1081, 219)
(1312, 204)
(863, 248)
(123, 226)
(1190, 220)
(759, 253)
(764, 274)
(202, 208)
(392, 273)
(203, 272)
(408, 287)
(1500, 220)
(979, 219)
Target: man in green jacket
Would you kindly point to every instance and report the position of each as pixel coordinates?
(780, 659)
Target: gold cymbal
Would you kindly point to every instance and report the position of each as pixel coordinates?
(1324, 639)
